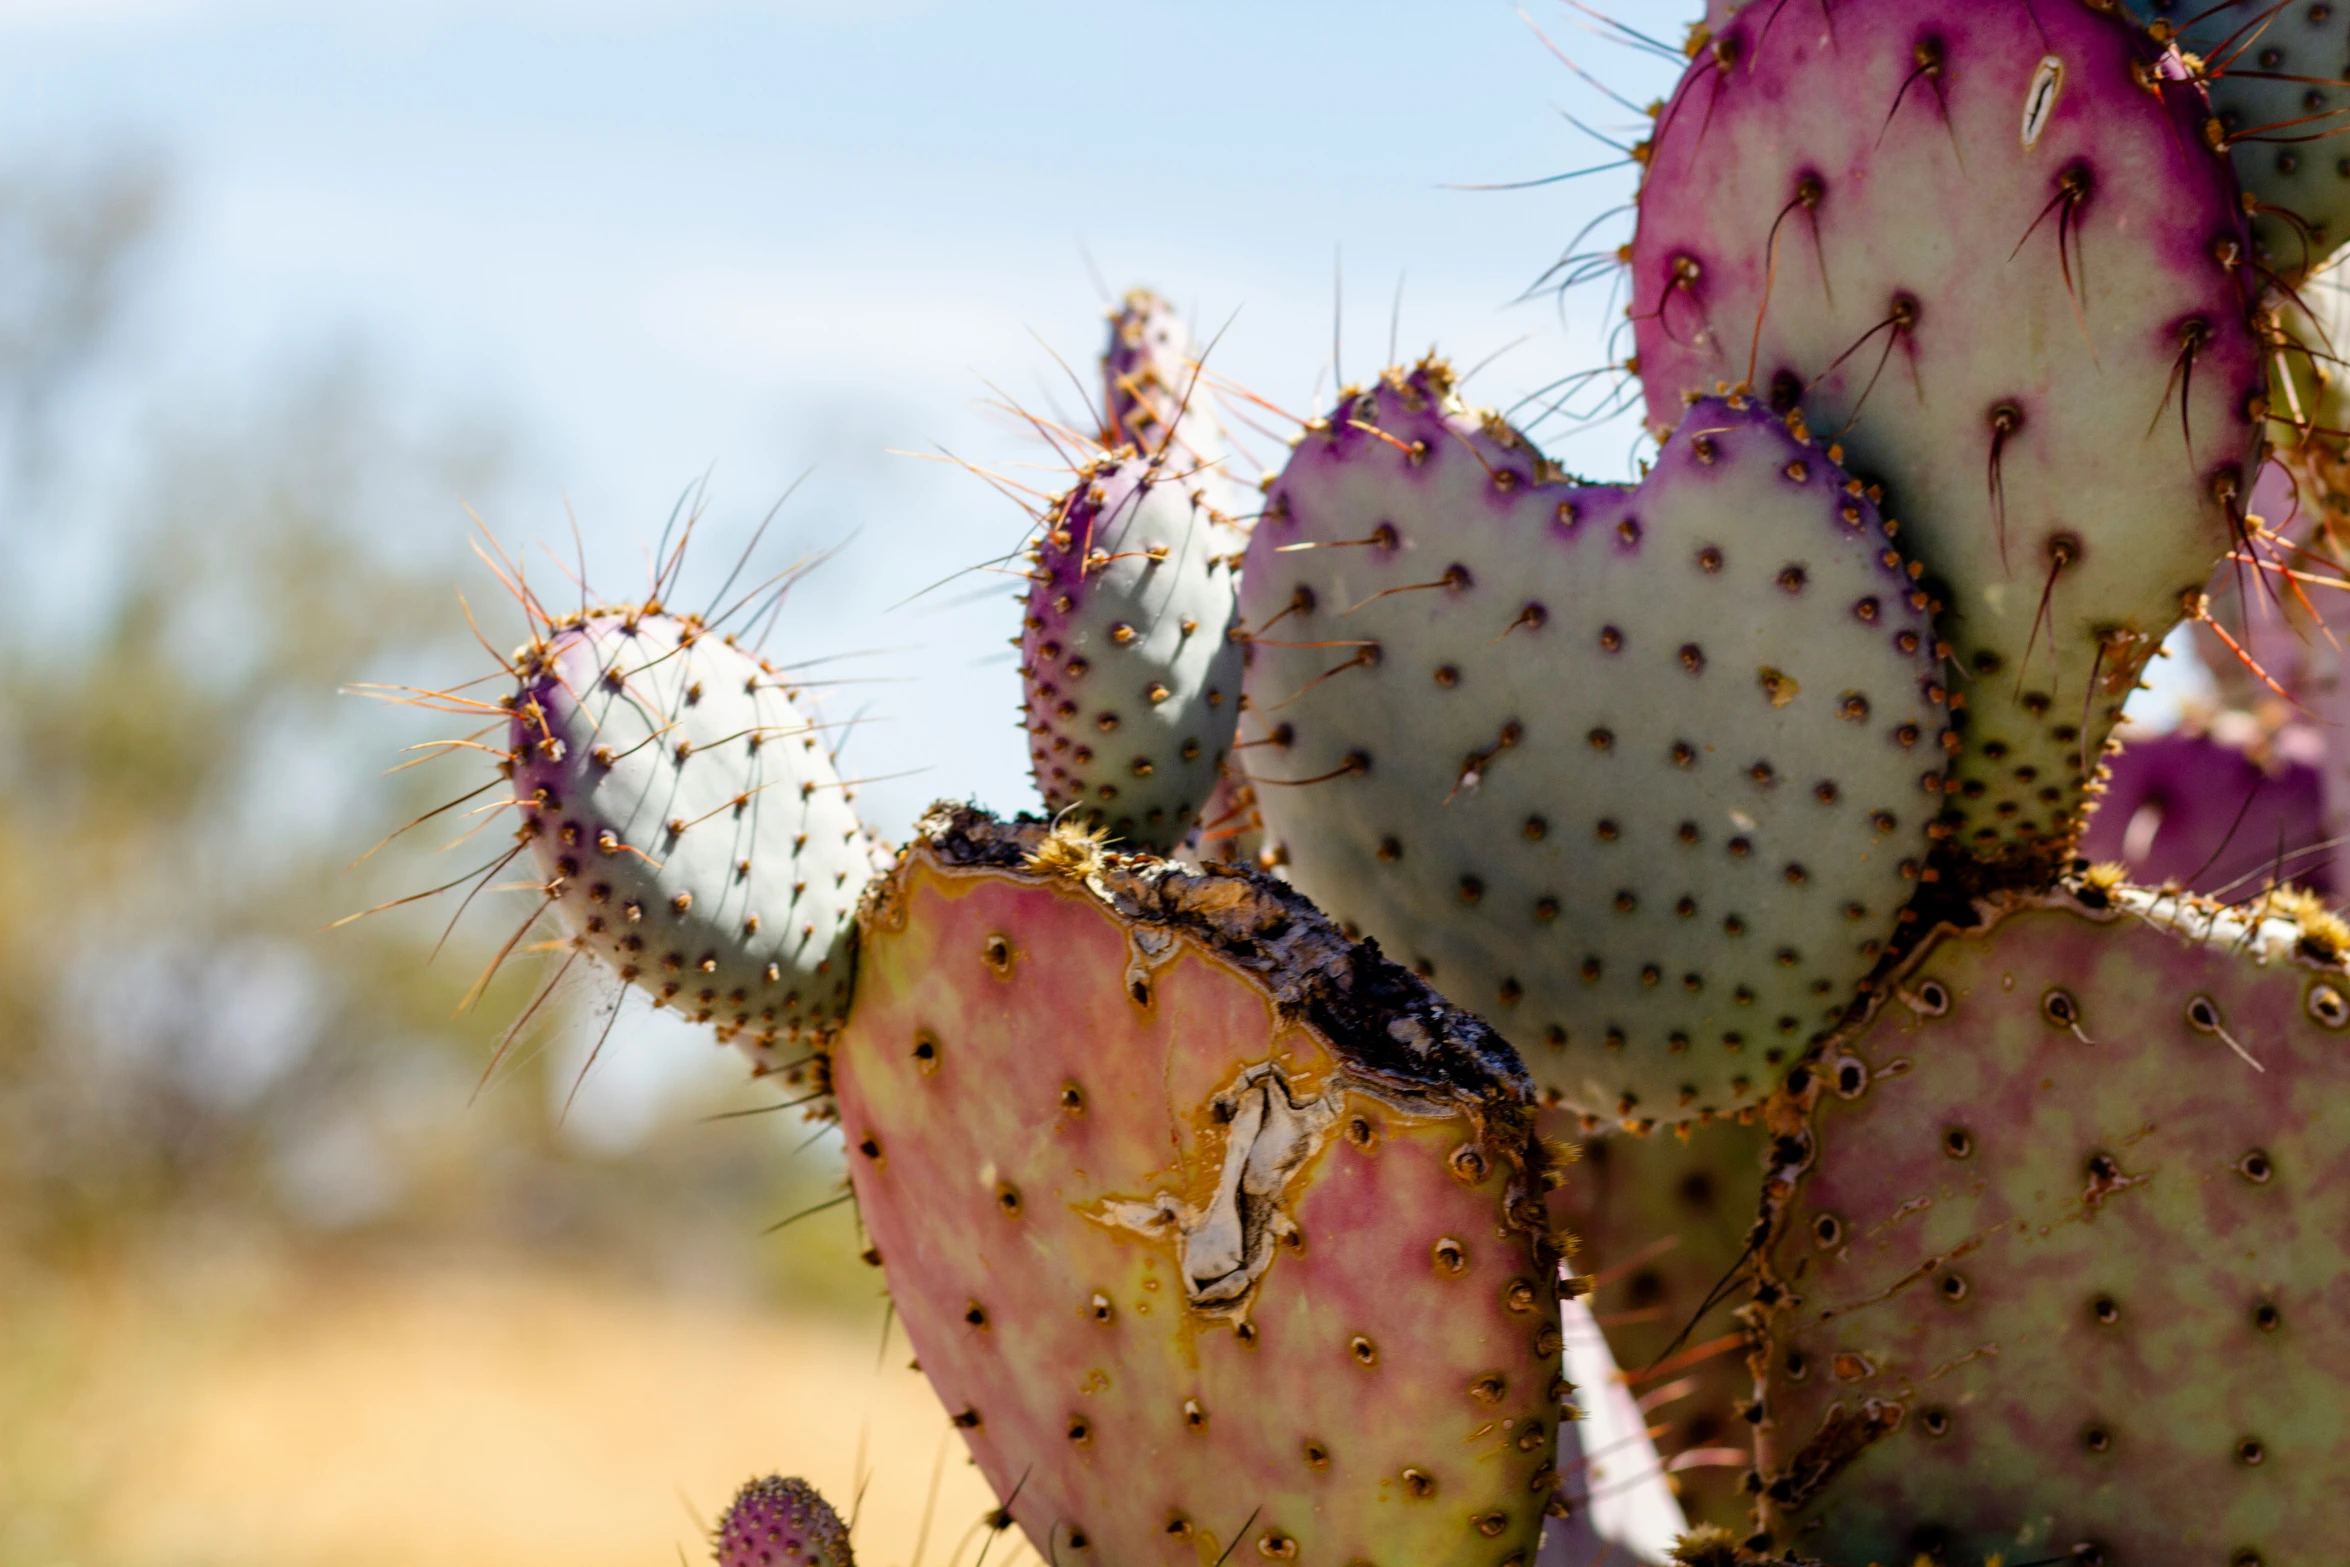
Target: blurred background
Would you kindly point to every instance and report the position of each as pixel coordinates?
(290, 296)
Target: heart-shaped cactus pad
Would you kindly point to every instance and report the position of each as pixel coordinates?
(1641, 773)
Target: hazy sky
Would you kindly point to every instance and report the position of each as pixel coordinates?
(767, 237)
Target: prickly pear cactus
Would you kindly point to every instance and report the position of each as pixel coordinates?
(1992, 249)
(2059, 1244)
(2274, 74)
(2222, 810)
(689, 822)
(1643, 774)
(1664, 1226)
(782, 1523)
(1133, 686)
(1151, 395)
(1218, 1234)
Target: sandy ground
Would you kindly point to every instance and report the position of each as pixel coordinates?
(475, 1418)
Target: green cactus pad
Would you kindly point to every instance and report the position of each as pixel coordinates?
(1220, 1237)
(1664, 1225)
(2277, 81)
(1133, 685)
(1990, 247)
(782, 1523)
(2059, 1249)
(1641, 774)
(689, 823)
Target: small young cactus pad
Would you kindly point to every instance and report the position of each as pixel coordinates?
(2059, 1248)
(1220, 1236)
(1150, 384)
(782, 1523)
(689, 822)
(1133, 685)
(1990, 246)
(1642, 774)
(2275, 78)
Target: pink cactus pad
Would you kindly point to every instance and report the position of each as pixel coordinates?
(782, 1523)
(1990, 249)
(2059, 1256)
(1221, 1237)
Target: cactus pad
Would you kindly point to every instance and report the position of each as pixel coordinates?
(689, 822)
(2058, 1256)
(2205, 810)
(1642, 774)
(2277, 82)
(1221, 1236)
(1133, 686)
(1991, 247)
(1150, 392)
(782, 1523)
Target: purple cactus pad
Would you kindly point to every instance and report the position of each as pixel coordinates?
(1998, 252)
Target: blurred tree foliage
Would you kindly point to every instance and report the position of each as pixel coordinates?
(202, 1085)
(187, 1055)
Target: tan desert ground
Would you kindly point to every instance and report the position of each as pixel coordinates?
(461, 1415)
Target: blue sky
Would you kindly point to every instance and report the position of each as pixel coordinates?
(752, 239)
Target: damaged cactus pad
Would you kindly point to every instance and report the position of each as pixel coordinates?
(1643, 774)
(1220, 1236)
(691, 827)
(1998, 251)
(2058, 1258)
